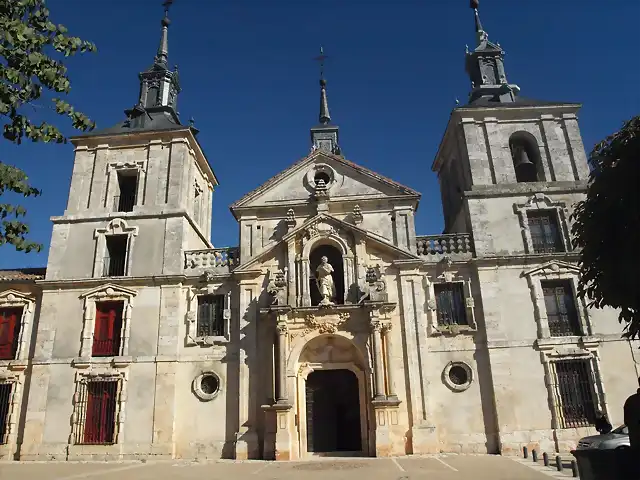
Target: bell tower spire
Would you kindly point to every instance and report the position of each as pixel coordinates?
(159, 85)
(324, 136)
(485, 66)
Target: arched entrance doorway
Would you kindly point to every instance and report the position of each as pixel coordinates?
(333, 411)
(332, 392)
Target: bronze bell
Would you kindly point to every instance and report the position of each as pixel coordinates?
(526, 170)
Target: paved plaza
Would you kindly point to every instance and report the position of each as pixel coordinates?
(444, 467)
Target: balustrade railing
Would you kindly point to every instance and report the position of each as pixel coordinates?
(445, 244)
(217, 259)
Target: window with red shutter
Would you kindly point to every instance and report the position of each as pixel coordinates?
(99, 425)
(107, 329)
(9, 332)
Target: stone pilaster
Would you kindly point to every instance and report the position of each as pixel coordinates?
(246, 437)
(386, 338)
(281, 386)
(164, 410)
(378, 361)
(277, 436)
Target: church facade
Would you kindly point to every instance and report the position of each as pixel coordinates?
(333, 327)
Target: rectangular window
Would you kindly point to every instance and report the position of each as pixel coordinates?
(450, 304)
(575, 394)
(561, 308)
(98, 425)
(108, 329)
(546, 235)
(210, 316)
(128, 187)
(115, 261)
(5, 409)
(10, 320)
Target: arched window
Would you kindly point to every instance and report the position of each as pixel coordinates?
(526, 157)
(334, 257)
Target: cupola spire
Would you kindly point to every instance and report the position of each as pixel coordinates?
(485, 66)
(324, 136)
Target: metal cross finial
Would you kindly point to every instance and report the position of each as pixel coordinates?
(320, 59)
(166, 4)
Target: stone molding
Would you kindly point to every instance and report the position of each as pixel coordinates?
(541, 202)
(446, 379)
(82, 378)
(556, 270)
(197, 386)
(112, 177)
(105, 293)
(16, 299)
(192, 315)
(16, 380)
(117, 226)
(448, 275)
(550, 356)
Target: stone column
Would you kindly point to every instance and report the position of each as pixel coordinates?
(306, 293)
(378, 366)
(281, 385)
(386, 336)
(292, 280)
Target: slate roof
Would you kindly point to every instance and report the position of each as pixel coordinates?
(340, 159)
(154, 122)
(22, 274)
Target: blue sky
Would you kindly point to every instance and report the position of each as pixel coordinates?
(394, 71)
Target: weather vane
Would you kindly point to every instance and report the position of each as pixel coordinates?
(321, 58)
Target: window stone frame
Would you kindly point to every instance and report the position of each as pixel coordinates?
(105, 293)
(16, 299)
(117, 226)
(452, 386)
(556, 271)
(448, 276)
(192, 316)
(81, 380)
(112, 176)
(16, 379)
(197, 386)
(550, 355)
(540, 202)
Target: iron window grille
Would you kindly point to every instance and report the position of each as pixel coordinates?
(10, 322)
(562, 314)
(128, 184)
(546, 235)
(114, 264)
(574, 391)
(107, 332)
(97, 406)
(450, 303)
(6, 389)
(210, 320)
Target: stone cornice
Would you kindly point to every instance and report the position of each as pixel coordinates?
(154, 280)
(509, 190)
(524, 260)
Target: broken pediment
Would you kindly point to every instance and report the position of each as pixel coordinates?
(342, 179)
(553, 267)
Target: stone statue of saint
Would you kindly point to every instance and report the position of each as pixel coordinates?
(324, 280)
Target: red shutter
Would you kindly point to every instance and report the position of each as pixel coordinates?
(9, 331)
(100, 416)
(106, 334)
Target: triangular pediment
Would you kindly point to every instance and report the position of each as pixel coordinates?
(294, 185)
(552, 267)
(324, 224)
(15, 296)
(109, 290)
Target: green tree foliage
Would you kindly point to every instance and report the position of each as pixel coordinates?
(27, 39)
(607, 227)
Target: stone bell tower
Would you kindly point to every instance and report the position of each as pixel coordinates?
(503, 155)
(141, 191)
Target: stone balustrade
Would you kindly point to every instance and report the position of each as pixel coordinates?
(218, 260)
(455, 245)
